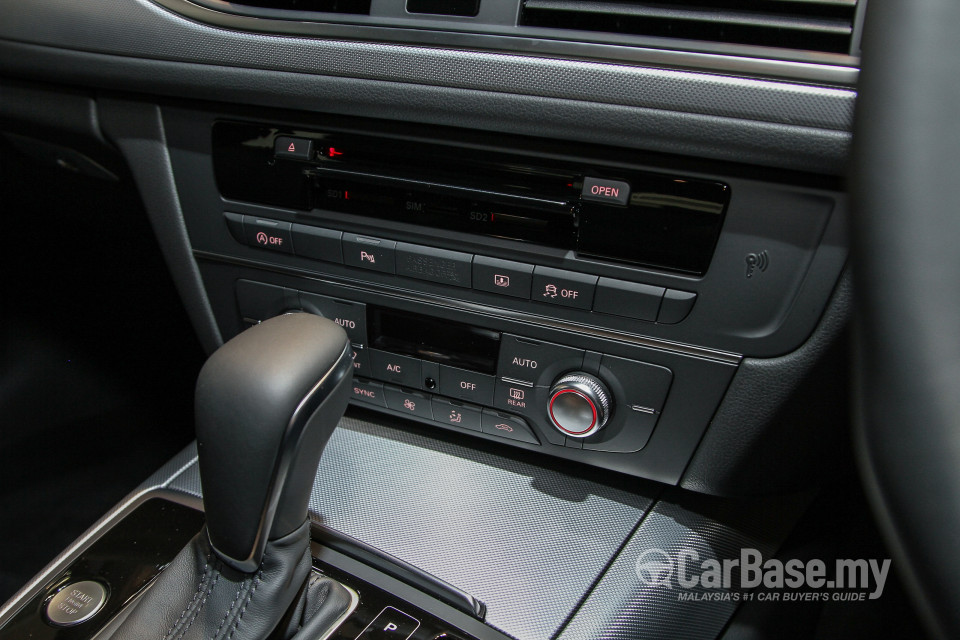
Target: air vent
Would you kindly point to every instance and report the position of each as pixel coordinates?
(810, 25)
(356, 7)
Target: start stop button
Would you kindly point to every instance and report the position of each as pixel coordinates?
(75, 603)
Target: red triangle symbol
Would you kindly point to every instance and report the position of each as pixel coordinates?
(292, 148)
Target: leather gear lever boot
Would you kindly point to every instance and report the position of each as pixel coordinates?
(266, 404)
(199, 597)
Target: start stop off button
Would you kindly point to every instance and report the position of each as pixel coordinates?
(76, 603)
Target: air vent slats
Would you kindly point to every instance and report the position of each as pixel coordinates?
(812, 25)
(356, 7)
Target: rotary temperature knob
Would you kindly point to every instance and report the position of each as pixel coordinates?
(580, 404)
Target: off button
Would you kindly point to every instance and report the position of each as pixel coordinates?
(76, 603)
(564, 288)
(273, 235)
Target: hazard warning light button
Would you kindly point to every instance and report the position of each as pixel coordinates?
(293, 148)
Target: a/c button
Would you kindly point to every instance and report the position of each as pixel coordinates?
(393, 367)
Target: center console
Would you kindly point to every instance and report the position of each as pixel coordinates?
(513, 307)
(586, 303)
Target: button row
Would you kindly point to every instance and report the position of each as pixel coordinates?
(259, 302)
(449, 381)
(504, 277)
(446, 411)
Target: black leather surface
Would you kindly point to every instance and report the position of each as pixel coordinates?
(258, 446)
(907, 232)
(198, 597)
(322, 602)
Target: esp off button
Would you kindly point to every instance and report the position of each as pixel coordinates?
(607, 191)
(563, 288)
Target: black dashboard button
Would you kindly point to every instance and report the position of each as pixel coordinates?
(513, 396)
(235, 225)
(361, 360)
(676, 306)
(368, 391)
(293, 148)
(535, 361)
(369, 253)
(504, 425)
(502, 276)
(628, 299)
(644, 384)
(564, 288)
(638, 424)
(258, 301)
(412, 402)
(606, 191)
(433, 265)
(393, 367)
(268, 234)
(352, 316)
(466, 385)
(317, 243)
(456, 414)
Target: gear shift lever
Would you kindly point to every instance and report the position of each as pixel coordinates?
(266, 404)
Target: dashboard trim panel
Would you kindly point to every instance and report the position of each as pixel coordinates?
(462, 305)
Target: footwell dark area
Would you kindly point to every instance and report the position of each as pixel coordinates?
(97, 359)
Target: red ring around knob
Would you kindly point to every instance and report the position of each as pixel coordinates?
(556, 422)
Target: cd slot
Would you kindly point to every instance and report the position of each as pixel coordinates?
(444, 207)
(321, 173)
(621, 214)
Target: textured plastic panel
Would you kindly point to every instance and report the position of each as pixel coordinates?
(527, 541)
(622, 607)
(139, 28)
(798, 120)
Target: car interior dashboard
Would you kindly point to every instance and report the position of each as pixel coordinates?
(589, 262)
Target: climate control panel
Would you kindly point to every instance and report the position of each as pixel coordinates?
(480, 380)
